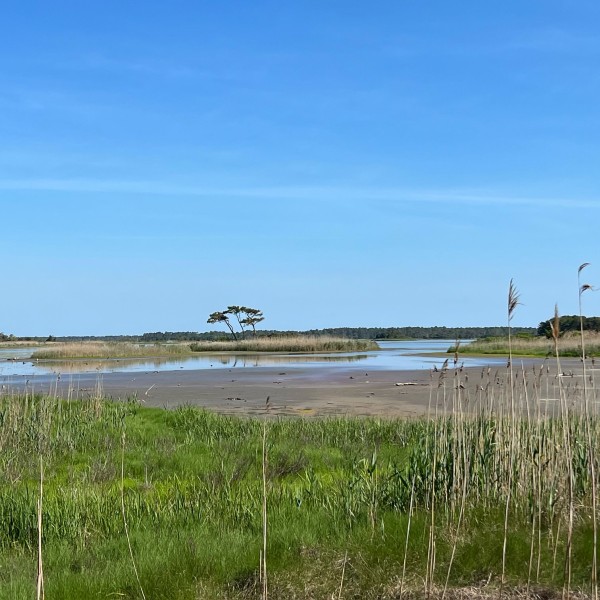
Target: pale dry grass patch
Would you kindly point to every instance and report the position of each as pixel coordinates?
(20, 343)
(60, 350)
(298, 343)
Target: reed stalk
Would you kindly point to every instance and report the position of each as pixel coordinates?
(40, 565)
(410, 512)
(591, 454)
(265, 589)
(513, 302)
(343, 574)
(566, 432)
(123, 513)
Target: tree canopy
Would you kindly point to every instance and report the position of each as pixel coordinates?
(569, 323)
(244, 315)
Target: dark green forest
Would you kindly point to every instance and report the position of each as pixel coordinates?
(420, 333)
(569, 323)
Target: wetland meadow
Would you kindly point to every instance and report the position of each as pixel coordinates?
(385, 471)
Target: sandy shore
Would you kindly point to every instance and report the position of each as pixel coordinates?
(293, 391)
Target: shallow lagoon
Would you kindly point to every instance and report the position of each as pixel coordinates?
(392, 355)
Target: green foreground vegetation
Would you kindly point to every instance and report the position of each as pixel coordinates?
(355, 508)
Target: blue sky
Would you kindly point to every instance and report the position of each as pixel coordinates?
(332, 163)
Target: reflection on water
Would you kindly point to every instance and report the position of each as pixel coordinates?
(9, 353)
(399, 355)
(133, 365)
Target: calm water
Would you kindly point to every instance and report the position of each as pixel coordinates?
(392, 355)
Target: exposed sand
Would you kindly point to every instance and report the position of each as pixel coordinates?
(299, 391)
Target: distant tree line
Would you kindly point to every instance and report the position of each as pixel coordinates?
(569, 323)
(364, 333)
(75, 338)
(368, 333)
(422, 333)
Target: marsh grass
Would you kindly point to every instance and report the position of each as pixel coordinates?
(492, 493)
(20, 343)
(67, 350)
(114, 350)
(300, 343)
(569, 345)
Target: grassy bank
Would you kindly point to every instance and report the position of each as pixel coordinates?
(568, 346)
(499, 473)
(300, 343)
(60, 350)
(108, 350)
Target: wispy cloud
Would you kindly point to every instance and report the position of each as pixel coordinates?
(481, 197)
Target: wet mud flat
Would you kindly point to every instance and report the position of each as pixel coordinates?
(296, 391)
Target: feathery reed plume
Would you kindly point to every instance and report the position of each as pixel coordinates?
(513, 299)
(582, 267)
(456, 348)
(555, 328)
(443, 372)
(513, 302)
